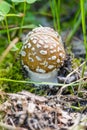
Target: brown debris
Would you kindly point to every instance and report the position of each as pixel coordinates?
(27, 111)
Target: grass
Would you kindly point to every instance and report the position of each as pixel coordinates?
(55, 9)
(42, 83)
(83, 18)
(31, 26)
(74, 29)
(8, 35)
(22, 21)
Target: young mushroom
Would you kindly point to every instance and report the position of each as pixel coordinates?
(42, 54)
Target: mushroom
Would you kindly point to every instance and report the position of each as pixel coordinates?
(42, 54)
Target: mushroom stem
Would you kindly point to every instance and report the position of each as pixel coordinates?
(44, 77)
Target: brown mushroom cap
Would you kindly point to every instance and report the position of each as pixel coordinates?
(43, 50)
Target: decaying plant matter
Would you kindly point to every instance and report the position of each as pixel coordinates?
(26, 111)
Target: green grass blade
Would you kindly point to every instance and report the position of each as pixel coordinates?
(82, 6)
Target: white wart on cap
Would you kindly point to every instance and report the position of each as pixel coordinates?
(42, 53)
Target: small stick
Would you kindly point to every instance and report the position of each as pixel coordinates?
(4, 54)
(4, 125)
(74, 70)
(66, 85)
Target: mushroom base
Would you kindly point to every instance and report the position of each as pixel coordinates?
(45, 77)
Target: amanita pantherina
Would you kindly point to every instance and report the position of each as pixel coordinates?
(42, 54)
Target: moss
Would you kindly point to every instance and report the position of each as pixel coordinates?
(11, 69)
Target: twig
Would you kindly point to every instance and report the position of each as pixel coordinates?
(74, 71)
(4, 54)
(4, 125)
(10, 26)
(66, 85)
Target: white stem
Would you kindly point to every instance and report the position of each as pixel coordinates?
(44, 77)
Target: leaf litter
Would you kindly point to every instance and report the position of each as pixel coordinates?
(27, 111)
